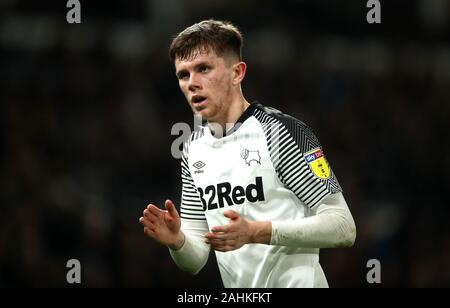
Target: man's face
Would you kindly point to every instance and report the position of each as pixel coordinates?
(206, 82)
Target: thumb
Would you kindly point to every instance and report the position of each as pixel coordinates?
(170, 207)
(231, 215)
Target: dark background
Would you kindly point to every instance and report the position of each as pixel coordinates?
(86, 113)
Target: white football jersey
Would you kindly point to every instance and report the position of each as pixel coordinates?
(269, 167)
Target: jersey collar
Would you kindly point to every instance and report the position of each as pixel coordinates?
(245, 116)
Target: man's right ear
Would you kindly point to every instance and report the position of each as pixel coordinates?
(239, 70)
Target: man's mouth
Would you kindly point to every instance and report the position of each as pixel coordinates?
(198, 100)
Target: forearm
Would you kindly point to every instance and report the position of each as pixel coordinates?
(193, 253)
(333, 226)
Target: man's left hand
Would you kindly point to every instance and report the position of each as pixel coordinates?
(238, 233)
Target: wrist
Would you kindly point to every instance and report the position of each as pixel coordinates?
(179, 241)
(261, 232)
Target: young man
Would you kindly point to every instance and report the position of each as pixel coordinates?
(262, 195)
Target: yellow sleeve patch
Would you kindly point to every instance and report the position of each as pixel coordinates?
(318, 164)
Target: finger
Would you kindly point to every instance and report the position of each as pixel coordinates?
(149, 232)
(222, 248)
(220, 235)
(225, 228)
(231, 215)
(217, 246)
(210, 240)
(151, 206)
(148, 224)
(149, 215)
(142, 220)
(215, 242)
(170, 207)
(146, 221)
(231, 243)
(154, 210)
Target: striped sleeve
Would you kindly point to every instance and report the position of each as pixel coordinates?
(191, 204)
(297, 157)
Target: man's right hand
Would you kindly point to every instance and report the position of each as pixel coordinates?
(163, 226)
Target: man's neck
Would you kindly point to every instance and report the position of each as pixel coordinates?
(236, 108)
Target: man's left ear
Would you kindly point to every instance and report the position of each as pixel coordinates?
(239, 70)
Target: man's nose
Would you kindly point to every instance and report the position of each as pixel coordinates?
(194, 83)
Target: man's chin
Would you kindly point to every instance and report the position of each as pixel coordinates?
(204, 114)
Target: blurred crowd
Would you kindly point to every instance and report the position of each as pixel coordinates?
(86, 113)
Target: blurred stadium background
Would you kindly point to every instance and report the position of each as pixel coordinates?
(86, 112)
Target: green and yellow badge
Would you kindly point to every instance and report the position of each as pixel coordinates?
(316, 161)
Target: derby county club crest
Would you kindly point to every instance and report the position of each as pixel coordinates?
(251, 156)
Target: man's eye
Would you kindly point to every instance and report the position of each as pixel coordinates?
(183, 76)
(203, 69)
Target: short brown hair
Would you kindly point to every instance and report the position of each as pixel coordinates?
(222, 37)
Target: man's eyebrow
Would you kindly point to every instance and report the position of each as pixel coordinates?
(196, 66)
(203, 63)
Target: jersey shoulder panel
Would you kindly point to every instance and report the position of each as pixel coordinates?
(297, 156)
(302, 134)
